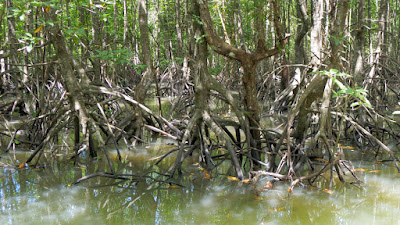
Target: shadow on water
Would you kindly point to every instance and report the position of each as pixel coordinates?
(42, 195)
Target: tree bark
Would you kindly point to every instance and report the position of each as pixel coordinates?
(316, 34)
(376, 56)
(302, 30)
(359, 42)
(338, 15)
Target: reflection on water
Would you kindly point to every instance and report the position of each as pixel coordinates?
(42, 196)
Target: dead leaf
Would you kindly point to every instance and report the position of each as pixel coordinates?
(360, 169)
(174, 187)
(276, 209)
(38, 29)
(246, 181)
(328, 191)
(374, 171)
(22, 165)
(233, 178)
(321, 159)
(268, 185)
(47, 9)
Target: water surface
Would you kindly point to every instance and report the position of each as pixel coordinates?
(43, 196)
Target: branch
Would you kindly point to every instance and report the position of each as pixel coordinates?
(227, 50)
(216, 43)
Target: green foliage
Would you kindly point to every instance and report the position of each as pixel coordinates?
(119, 56)
(337, 40)
(357, 93)
(216, 70)
(200, 39)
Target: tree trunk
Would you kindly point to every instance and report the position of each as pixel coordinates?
(376, 56)
(302, 30)
(238, 23)
(179, 35)
(249, 63)
(252, 108)
(201, 115)
(359, 42)
(338, 15)
(316, 34)
(96, 42)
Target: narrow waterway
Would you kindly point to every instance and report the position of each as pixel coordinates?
(43, 196)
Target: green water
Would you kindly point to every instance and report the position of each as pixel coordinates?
(42, 196)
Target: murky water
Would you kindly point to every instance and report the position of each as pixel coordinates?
(42, 196)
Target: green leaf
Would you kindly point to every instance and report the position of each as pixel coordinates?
(343, 75)
(341, 92)
(335, 94)
(349, 90)
(339, 84)
(333, 71)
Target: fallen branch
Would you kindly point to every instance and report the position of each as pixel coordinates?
(99, 174)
